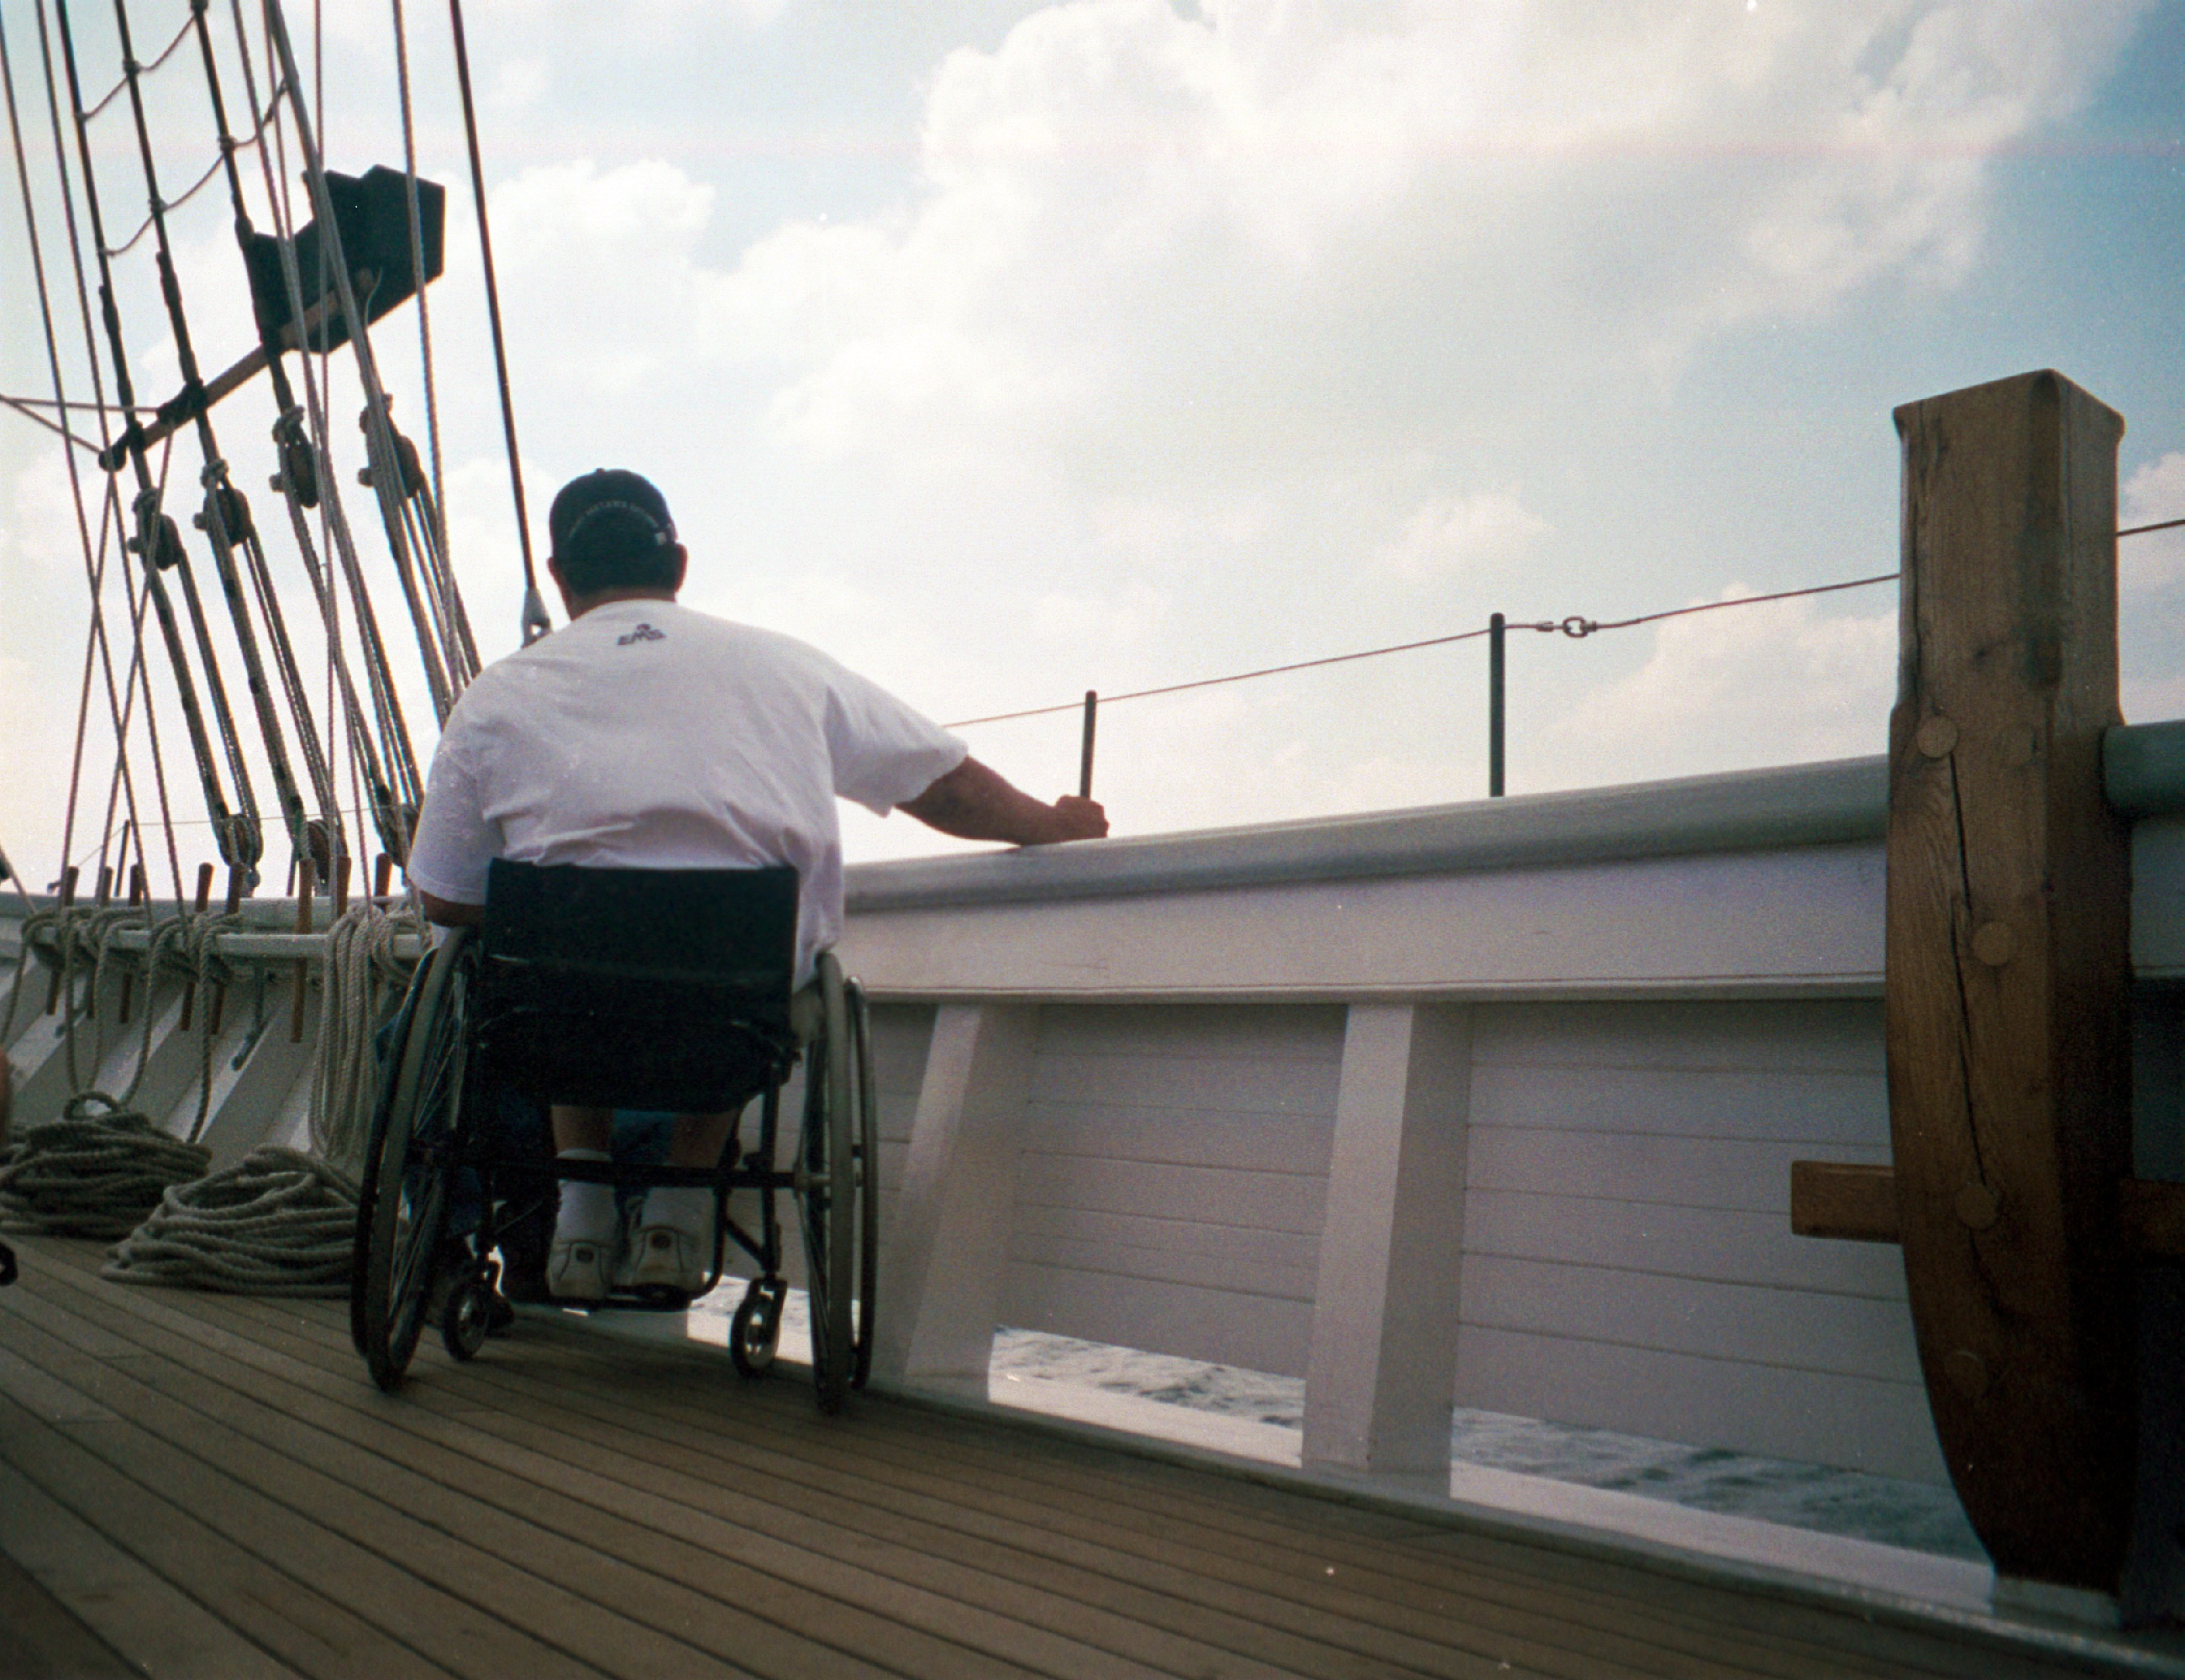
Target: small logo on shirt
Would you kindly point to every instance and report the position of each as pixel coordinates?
(644, 633)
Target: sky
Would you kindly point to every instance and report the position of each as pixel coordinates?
(1008, 350)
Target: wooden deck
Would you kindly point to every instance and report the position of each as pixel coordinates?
(196, 1485)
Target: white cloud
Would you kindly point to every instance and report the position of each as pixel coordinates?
(519, 85)
(1454, 533)
(1773, 683)
(1127, 208)
(2155, 560)
(1209, 338)
(1123, 617)
(602, 262)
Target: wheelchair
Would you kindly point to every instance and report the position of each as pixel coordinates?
(660, 990)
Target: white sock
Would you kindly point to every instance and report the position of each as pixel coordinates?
(688, 1208)
(588, 1210)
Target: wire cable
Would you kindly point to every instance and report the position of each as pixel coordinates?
(1573, 625)
(535, 622)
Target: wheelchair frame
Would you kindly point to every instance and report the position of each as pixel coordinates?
(426, 1133)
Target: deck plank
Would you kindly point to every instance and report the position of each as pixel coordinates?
(703, 1452)
(575, 1504)
(1303, 1563)
(584, 1354)
(121, 1617)
(916, 1553)
(739, 1569)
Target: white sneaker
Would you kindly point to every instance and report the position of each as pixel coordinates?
(668, 1257)
(577, 1269)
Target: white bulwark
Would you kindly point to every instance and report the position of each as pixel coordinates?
(1491, 1105)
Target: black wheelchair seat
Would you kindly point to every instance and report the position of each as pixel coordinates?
(658, 989)
(663, 990)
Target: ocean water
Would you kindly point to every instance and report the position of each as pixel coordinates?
(1917, 1515)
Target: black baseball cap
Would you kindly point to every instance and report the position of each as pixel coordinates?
(609, 511)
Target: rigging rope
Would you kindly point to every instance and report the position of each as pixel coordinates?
(93, 566)
(361, 968)
(387, 477)
(307, 466)
(414, 218)
(535, 622)
(161, 545)
(224, 516)
(119, 87)
(228, 147)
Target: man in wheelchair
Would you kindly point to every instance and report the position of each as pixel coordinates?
(646, 735)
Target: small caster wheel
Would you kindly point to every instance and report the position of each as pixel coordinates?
(756, 1326)
(468, 1317)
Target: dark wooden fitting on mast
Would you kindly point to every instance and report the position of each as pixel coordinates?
(372, 213)
(2009, 981)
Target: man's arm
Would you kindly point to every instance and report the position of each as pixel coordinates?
(449, 913)
(973, 802)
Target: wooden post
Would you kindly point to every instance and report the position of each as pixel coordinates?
(1085, 744)
(2008, 969)
(190, 985)
(68, 878)
(236, 878)
(305, 883)
(136, 899)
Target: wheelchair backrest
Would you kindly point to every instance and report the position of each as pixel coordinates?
(663, 989)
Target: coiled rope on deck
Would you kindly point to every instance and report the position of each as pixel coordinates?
(92, 1173)
(278, 1223)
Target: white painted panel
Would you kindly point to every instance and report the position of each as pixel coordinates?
(1796, 1330)
(1194, 1032)
(1184, 1137)
(1643, 1168)
(901, 1033)
(1174, 1157)
(1210, 1257)
(1806, 918)
(1710, 1244)
(1762, 1036)
(1256, 1332)
(1268, 1201)
(1213, 1083)
(1803, 1108)
(1860, 1423)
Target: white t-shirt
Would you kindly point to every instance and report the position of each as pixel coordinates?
(644, 735)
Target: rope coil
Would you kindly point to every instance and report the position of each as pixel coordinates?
(361, 967)
(278, 1223)
(90, 1173)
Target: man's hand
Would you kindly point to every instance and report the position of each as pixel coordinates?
(973, 802)
(1083, 818)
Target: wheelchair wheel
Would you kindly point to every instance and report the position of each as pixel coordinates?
(827, 1157)
(756, 1330)
(868, 1186)
(466, 1320)
(410, 1165)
